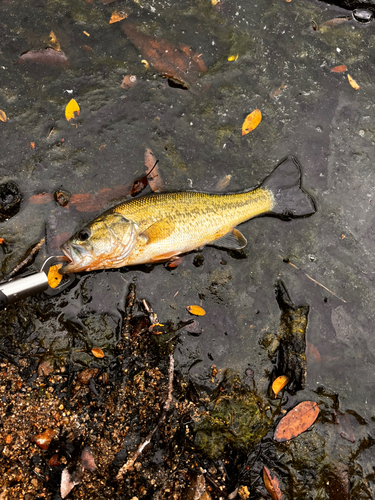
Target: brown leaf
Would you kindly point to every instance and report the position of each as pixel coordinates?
(271, 484)
(87, 459)
(223, 183)
(128, 82)
(251, 121)
(45, 368)
(174, 263)
(50, 57)
(345, 428)
(339, 69)
(277, 91)
(98, 353)
(298, 420)
(312, 352)
(333, 22)
(196, 310)
(85, 375)
(44, 439)
(41, 198)
(279, 383)
(179, 63)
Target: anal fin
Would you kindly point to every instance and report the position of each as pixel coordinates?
(234, 240)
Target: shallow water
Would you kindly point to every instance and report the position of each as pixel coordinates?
(285, 55)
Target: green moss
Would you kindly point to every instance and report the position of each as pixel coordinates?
(237, 418)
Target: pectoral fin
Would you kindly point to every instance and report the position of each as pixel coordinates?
(234, 240)
(158, 230)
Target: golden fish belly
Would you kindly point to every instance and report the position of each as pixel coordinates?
(176, 223)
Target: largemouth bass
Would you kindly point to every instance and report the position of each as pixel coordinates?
(159, 227)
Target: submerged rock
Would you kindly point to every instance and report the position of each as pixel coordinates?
(10, 200)
(237, 418)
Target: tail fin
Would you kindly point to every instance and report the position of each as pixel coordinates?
(285, 184)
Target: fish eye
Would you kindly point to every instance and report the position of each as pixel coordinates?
(84, 234)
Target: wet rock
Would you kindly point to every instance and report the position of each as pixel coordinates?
(10, 200)
(237, 417)
(44, 439)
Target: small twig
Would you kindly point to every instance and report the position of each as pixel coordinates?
(27, 260)
(134, 457)
(312, 279)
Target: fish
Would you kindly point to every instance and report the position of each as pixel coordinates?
(161, 226)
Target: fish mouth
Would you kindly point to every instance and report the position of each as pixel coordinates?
(77, 259)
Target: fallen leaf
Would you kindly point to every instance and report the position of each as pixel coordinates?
(128, 82)
(98, 353)
(277, 91)
(54, 42)
(67, 483)
(2, 241)
(353, 83)
(87, 48)
(32, 144)
(44, 439)
(174, 263)
(345, 428)
(47, 56)
(223, 183)
(279, 383)
(118, 15)
(271, 484)
(312, 353)
(233, 57)
(41, 198)
(3, 116)
(54, 461)
(87, 459)
(333, 22)
(71, 110)
(85, 375)
(178, 63)
(45, 368)
(196, 310)
(296, 421)
(251, 121)
(339, 69)
(54, 277)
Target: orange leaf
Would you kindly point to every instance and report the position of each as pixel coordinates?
(339, 69)
(251, 121)
(3, 116)
(196, 310)
(279, 384)
(54, 277)
(71, 110)
(298, 420)
(117, 16)
(271, 484)
(98, 353)
(353, 83)
(32, 144)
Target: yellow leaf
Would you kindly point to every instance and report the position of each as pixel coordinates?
(98, 353)
(251, 121)
(54, 277)
(54, 42)
(279, 384)
(145, 63)
(118, 15)
(196, 310)
(3, 116)
(233, 58)
(353, 83)
(71, 110)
